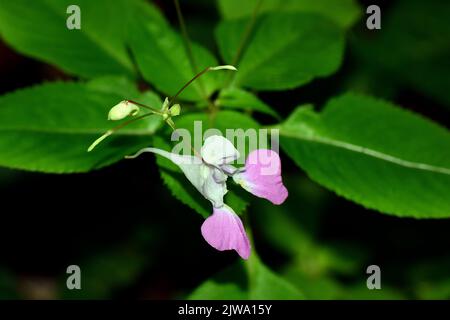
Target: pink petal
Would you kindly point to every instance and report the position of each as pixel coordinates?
(262, 176)
(223, 230)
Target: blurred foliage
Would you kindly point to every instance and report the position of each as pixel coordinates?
(343, 12)
(412, 50)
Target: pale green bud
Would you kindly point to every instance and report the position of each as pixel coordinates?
(175, 110)
(165, 105)
(122, 110)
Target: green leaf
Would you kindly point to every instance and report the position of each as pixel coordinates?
(163, 60)
(237, 198)
(173, 177)
(38, 29)
(342, 12)
(236, 98)
(229, 284)
(49, 127)
(267, 285)
(255, 282)
(285, 51)
(375, 154)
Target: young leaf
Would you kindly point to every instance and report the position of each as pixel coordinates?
(285, 51)
(49, 127)
(163, 60)
(240, 99)
(342, 12)
(375, 154)
(38, 29)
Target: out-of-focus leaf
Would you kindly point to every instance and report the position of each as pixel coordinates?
(375, 154)
(229, 284)
(49, 127)
(255, 282)
(237, 198)
(288, 229)
(431, 279)
(267, 285)
(286, 50)
(343, 12)
(413, 48)
(361, 292)
(8, 289)
(173, 177)
(240, 99)
(97, 49)
(163, 60)
(316, 287)
(106, 272)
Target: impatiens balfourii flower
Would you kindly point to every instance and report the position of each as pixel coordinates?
(209, 170)
(208, 173)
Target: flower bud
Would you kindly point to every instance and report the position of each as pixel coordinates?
(122, 110)
(175, 110)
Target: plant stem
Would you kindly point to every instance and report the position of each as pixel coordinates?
(252, 263)
(187, 43)
(115, 129)
(242, 44)
(145, 106)
(198, 75)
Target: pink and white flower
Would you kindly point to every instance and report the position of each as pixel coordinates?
(261, 176)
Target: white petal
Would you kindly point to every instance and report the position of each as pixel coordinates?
(209, 181)
(214, 188)
(218, 151)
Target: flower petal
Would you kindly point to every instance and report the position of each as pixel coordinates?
(209, 181)
(262, 176)
(223, 230)
(214, 187)
(218, 150)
